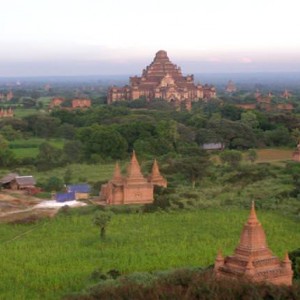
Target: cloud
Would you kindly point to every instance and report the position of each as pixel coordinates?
(246, 60)
(214, 59)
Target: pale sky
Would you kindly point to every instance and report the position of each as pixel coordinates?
(80, 37)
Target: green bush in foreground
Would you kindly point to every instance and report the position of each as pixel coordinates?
(185, 284)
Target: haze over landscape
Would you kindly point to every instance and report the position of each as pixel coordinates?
(46, 38)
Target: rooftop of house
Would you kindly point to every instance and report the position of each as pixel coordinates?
(25, 180)
(212, 146)
(8, 178)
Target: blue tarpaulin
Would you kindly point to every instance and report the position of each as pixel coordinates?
(63, 197)
(79, 188)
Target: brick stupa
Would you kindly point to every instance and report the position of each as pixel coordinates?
(253, 259)
(162, 80)
(133, 188)
(155, 177)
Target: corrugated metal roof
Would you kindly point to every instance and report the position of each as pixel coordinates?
(213, 146)
(8, 178)
(25, 180)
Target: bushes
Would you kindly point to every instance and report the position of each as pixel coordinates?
(186, 284)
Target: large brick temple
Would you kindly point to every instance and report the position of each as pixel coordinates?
(253, 259)
(162, 80)
(133, 188)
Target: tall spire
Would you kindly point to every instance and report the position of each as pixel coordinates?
(134, 170)
(155, 177)
(252, 220)
(155, 170)
(117, 173)
(253, 236)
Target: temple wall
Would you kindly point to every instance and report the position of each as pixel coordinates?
(138, 194)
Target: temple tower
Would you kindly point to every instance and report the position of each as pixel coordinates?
(253, 259)
(155, 177)
(133, 188)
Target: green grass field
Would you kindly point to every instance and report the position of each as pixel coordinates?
(57, 256)
(23, 112)
(29, 147)
(88, 172)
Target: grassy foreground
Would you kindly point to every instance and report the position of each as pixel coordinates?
(57, 256)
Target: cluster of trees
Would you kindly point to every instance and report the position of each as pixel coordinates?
(112, 132)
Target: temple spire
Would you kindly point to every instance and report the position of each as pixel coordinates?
(252, 217)
(134, 170)
(155, 170)
(287, 264)
(117, 173)
(219, 262)
(155, 177)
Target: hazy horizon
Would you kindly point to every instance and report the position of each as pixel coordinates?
(109, 37)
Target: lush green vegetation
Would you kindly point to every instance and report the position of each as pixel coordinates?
(23, 148)
(57, 256)
(187, 283)
(203, 209)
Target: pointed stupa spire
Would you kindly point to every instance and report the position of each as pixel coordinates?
(287, 264)
(155, 177)
(117, 173)
(134, 170)
(253, 236)
(155, 170)
(286, 257)
(220, 255)
(252, 220)
(219, 262)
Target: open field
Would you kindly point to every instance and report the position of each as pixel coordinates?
(30, 147)
(23, 112)
(274, 155)
(57, 256)
(80, 172)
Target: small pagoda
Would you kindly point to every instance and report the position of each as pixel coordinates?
(133, 188)
(252, 259)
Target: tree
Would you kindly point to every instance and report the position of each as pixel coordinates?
(73, 151)
(7, 157)
(68, 176)
(102, 219)
(10, 133)
(54, 184)
(249, 118)
(295, 258)
(43, 126)
(104, 141)
(49, 157)
(231, 157)
(251, 155)
(193, 165)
